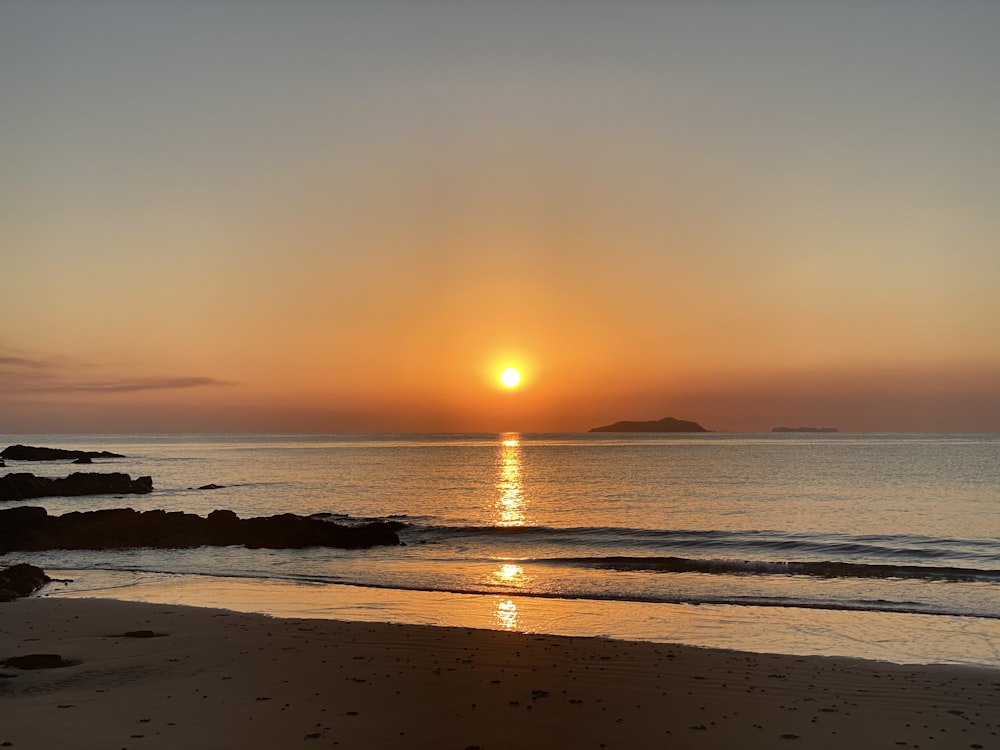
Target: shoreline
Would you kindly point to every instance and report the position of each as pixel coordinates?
(218, 678)
(898, 638)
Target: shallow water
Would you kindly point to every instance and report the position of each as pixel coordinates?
(784, 533)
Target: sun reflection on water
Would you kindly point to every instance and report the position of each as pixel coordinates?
(509, 574)
(506, 614)
(509, 507)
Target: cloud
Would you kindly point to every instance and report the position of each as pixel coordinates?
(22, 362)
(49, 376)
(132, 386)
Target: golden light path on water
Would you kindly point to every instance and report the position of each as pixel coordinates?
(510, 509)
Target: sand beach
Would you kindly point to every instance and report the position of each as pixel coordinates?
(155, 676)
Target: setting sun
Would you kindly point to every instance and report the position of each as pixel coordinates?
(510, 377)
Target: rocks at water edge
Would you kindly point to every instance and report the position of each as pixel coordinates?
(32, 528)
(20, 580)
(24, 486)
(667, 424)
(38, 661)
(35, 453)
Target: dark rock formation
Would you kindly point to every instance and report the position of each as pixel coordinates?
(212, 487)
(21, 486)
(38, 661)
(84, 460)
(667, 424)
(20, 580)
(32, 453)
(31, 528)
(805, 429)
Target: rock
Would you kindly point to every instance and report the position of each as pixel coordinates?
(211, 487)
(21, 580)
(667, 424)
(30, 528)
(84, 460)
(38, 661)
(33, 453)
(24, 486)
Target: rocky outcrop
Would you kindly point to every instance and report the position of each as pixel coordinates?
(20, 580)
(39, 661)
(33, 453)
(32, 528)
(667, 424)
(22, 486)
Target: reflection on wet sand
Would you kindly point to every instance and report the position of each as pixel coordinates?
(506, 614)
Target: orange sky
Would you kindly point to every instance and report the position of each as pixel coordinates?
(350, 217)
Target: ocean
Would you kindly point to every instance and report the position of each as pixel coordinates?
(874, 546)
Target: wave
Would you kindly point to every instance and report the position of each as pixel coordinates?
(821, 569)
(716, 599)
(716, 551)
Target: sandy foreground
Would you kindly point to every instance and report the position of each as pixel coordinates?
(219, 679)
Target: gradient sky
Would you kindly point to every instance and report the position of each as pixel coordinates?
(350, 216)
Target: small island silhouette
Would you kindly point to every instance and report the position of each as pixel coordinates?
(667, 424)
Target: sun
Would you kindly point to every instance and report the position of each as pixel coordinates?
(510, 377)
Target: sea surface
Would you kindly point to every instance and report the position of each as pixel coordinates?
(876, 546)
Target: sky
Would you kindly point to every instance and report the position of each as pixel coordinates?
(332, 216)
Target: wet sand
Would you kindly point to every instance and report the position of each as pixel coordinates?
(201, 678)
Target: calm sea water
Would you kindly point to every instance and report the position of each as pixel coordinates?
(650, 536)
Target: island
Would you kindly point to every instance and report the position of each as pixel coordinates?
(667, 424)
(805, 429)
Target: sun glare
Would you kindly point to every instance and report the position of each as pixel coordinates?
(510, 377)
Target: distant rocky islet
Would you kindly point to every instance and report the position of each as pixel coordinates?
(667, 424)
(36, 453)
(671, 424)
